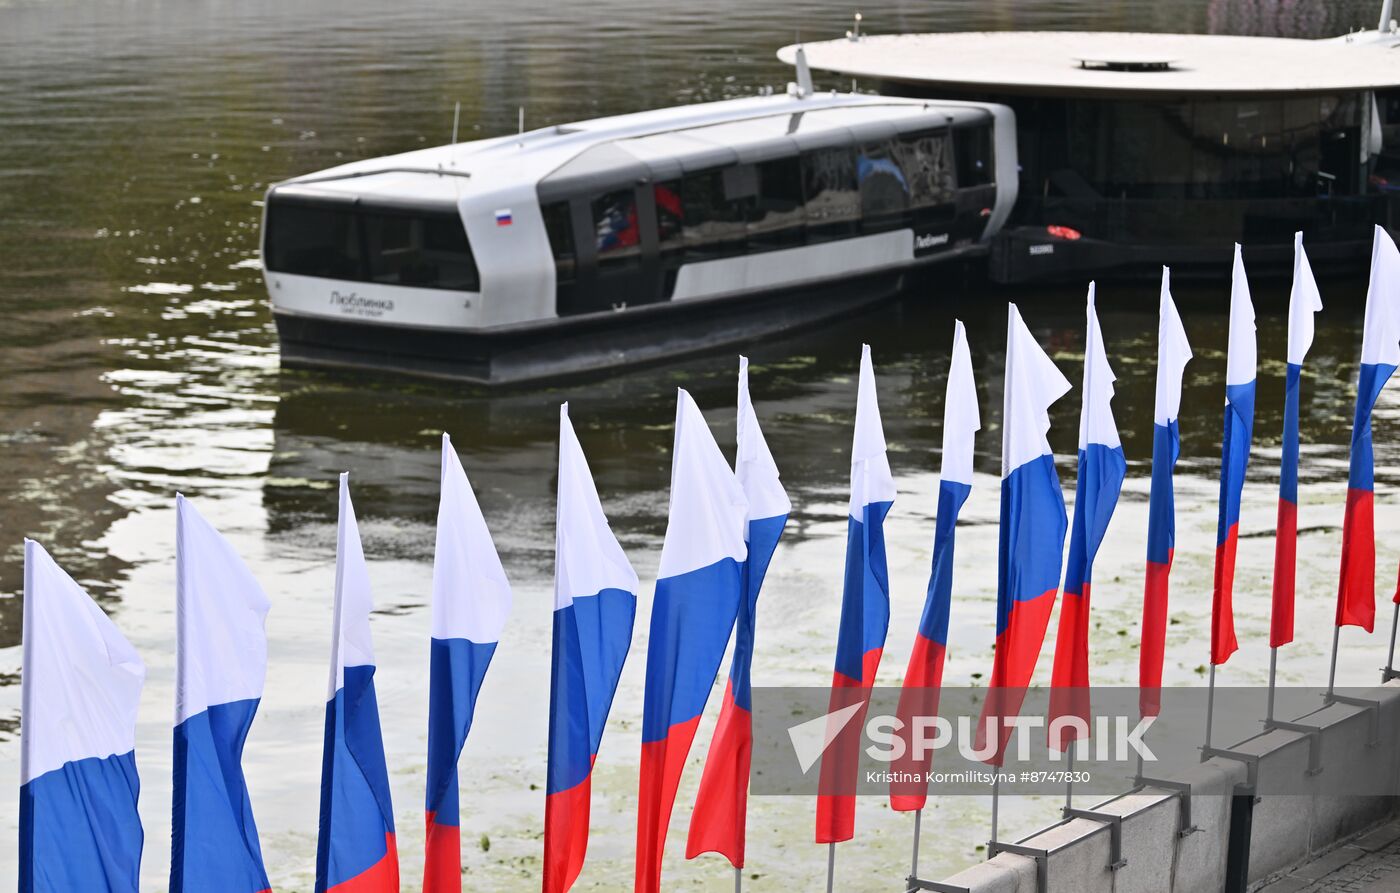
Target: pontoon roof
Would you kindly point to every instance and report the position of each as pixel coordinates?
(1107, 63)
(660, 143)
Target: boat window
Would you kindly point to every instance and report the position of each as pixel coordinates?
(776, 217)
(617, 237)
(714, 214)
(560, 228)
(420, 251)
(670, 232)
(884, 190)
(927, 162)
(833, 202)
(972, 149)
(426, 249)
(313, 241)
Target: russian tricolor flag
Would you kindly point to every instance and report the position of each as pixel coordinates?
(220, 663)
(924, 675)
(717, 823)
(356, 850)
(1032, 528)
(595, 603)
(471, 600)
(1173, 353)
(1234, 459)
(698, 590)
(865, 608)
(1101, 471)
(79, 692)
(1380, 354)
(1303, 301)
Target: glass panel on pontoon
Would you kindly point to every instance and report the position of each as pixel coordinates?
(927, 161)
(616, 234)
(558, 225)
(972, 150)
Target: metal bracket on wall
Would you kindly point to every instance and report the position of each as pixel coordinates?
(1314, 734)
(1373, 706)
(913, 884)
(1182, 789)
(1388, 674)
(1115, 832)
(1251, 761)
(1041, 857)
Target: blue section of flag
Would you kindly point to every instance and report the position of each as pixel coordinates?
(764, 534)
(1161, 508)
(933, 625)
(691, 618)
(214, 840)
(1368, 390)
(1032, 535)
(457, 668)
(1101, 472)
(356, 812)
(591, 639)
(865, 595)
(79, 828)
(1234, 459)
(1288, 466)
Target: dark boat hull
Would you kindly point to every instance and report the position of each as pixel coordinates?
(571, 347)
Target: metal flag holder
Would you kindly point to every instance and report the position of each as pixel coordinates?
(1271, 722)
(1331, 697)
(1388, 672)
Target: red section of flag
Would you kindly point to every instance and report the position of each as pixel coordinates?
(663, 761)
(1154, 636)
(836, 802)
(1285, 571)
(1222, 610)
(721, 805)
(1356, 594)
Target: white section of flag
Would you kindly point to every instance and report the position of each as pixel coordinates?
(753, 462)
(351, 642)
(708, 514)
(1303, 301)
(81, 683)
(1096, 424)
(587, 557)
(220, 611)
(961, 417)
(1380, 339)
(1033, 383)
(1242, 358)
(871, 480)
(1173, 353)
(471, 595)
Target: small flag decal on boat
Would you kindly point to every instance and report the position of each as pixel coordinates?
(503, 217)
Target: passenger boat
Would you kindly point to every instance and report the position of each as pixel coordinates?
(1141, 149)
(633, 238)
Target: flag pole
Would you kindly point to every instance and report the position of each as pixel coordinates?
(914, 864)
(1273, 670)
(1069, 780)
(1210, 703)
(1332, 673)
(996, 784)
(830, 867)
(1390, 672)
(738, 880)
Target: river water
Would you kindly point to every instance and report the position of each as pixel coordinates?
(138, 358)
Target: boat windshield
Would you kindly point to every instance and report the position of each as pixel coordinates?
(390, 246)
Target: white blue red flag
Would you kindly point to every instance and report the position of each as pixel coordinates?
(1380, 354)
(356, 851)
(717, 824)
(1234, 460)
(220, 664)
(865, 608)
(1032, 528)
(1173, 353)
(595, 603)
(1303, 302)
(471, 601)
(79, 692)
(1101, 471)
(698, 589)
(924, 676)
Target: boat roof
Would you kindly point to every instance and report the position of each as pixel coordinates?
(661, 143)
(1098, 63)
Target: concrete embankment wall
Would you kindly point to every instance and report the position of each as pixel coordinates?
(1239, 840)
